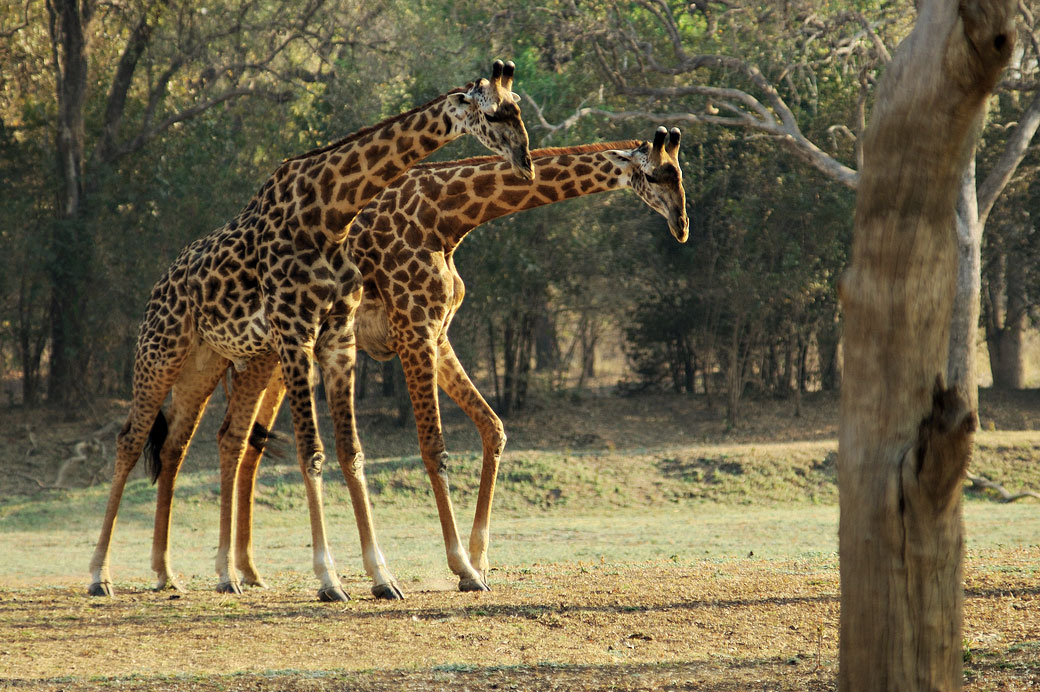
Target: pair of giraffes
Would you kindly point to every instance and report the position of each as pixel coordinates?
(346, 246)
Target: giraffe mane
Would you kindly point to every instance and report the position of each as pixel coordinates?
(382, 123)
(623, 144)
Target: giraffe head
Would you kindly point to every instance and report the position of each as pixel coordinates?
(652, 171)
(487, 110)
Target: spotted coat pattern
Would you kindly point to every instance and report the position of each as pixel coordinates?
(403, 243)
(264, 287)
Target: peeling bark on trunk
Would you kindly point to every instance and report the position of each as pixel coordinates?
(905, 430)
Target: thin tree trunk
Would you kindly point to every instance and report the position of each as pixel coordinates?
(906, 422)
(964, 326)
(734, 375)
(493, 358)
(1006, 324)
(509, 348)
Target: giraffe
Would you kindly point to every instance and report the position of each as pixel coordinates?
(263, 290)
(403, 243)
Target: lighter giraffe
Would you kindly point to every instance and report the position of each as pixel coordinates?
(263, 289)
(403, 243)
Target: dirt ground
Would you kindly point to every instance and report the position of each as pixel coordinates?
(670, 626)
(677, 624)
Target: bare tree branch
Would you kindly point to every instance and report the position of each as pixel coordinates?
(147, 135)
(115, 104)
(8, 32)
(1014, 151)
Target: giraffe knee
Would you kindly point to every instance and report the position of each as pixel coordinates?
(356, 466)
(315, 463)
(498, 439)
(440, 464)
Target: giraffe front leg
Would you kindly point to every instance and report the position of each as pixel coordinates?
(297, 368)
(420, 372)
(457, 384)
(338, 357)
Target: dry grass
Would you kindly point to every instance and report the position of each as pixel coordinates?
(671, 624)
(748, 624)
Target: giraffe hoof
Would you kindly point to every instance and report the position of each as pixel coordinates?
(389, 591)
(256, 582)
(100, 588)
(229, 587)
(170, 585)
(473, 585)
(332, 594)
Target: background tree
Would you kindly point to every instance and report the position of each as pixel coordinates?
(768, 70)
(123, 76)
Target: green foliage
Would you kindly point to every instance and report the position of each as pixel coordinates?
(753, 288)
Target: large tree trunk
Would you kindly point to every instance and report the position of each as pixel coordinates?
(904, 436)
(70, 266)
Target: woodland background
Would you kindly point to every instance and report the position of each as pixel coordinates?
(129, 128)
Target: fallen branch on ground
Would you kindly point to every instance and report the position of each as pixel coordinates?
(984, 483)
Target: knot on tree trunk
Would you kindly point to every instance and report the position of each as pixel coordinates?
(944, 439)
(989, 28)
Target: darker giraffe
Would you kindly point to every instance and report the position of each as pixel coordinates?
(403, 243)
(267, 287)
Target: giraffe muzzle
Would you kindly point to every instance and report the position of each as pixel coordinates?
(679, 225)
(522, 164)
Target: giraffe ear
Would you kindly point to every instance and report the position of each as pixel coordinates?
(516, 97)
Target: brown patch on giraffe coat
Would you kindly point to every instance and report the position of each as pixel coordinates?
(325, 185)
(484, 185)
(388, 171)
(370, 190)
(473, 211)
(404, 143)
(548, 192)
(413, 236)
(513, 196)
(455, 188)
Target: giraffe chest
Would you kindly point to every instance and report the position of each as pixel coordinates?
(405, 297)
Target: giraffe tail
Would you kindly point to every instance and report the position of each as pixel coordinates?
(156, 438)
(269, 441)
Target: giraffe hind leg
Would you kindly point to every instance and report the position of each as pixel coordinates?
(260, 438)
(247, 389)
(191, 392)
(129, 445)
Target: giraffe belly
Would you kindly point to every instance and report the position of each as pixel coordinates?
(372, 330)
(239, 340)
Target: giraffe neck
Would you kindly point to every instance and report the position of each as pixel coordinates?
(487, 189)
(330, 185)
